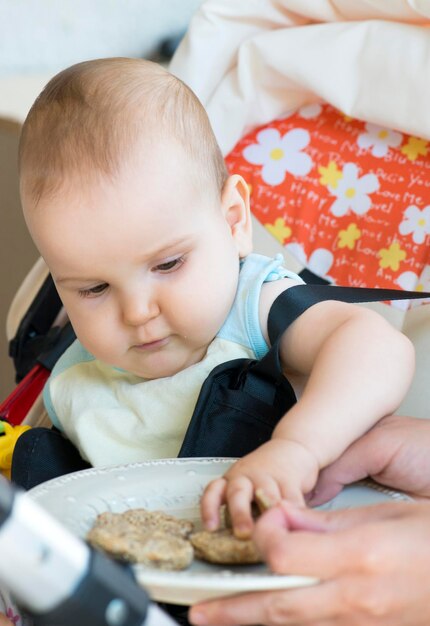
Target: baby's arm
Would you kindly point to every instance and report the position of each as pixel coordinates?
(359, 368)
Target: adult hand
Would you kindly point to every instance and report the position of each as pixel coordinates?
(373, 564)
(395, 452)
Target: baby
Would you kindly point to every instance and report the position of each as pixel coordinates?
(149, 242)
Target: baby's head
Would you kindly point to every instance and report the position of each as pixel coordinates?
(89, 120)
(127, 197)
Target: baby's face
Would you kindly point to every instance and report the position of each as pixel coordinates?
(146, 264)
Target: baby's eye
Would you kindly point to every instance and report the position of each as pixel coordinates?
(93, 291)
(168, 266)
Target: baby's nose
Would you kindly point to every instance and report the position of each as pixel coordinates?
(137, 310)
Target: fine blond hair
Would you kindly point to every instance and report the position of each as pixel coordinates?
(89, 117)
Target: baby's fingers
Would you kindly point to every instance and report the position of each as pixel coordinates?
(239, 495)
(213, 497)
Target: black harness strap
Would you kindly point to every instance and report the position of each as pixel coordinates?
(291, 303)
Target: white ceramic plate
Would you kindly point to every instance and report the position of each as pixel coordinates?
(175, 486)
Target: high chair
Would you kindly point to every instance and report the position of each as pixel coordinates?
(38, 331)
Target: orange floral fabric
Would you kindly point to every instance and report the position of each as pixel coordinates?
(349, 199)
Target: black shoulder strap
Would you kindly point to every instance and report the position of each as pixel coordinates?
(292, 302)
(34, 333)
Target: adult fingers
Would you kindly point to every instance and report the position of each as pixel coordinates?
(243, 609)
(363, 458)
(321, 603)
(321, 544)
(330, 484)
(301, 518)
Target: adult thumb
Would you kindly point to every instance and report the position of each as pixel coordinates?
(362, 459)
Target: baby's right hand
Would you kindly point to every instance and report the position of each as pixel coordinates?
(280, 468)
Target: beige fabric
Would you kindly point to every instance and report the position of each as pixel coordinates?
(249, 61)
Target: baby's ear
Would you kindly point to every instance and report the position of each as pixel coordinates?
(235, 206)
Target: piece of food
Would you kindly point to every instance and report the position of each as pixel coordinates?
(222, 547)
(262, 500)
(159, 521)
(166, 542)
(141, 536)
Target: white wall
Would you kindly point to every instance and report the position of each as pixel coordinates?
(47, 35)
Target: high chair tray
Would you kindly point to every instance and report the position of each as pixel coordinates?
(175, 486)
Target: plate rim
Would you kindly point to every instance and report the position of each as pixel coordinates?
(60, 481)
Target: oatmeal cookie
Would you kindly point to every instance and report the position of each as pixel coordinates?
(148, 537)
(222, 547)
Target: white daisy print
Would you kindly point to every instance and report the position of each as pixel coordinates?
(410, 281)
(352, 192)
(379, 139)
(279, 155)
(319, 262)
(416, 223)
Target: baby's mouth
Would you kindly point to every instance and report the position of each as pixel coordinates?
(152, 345)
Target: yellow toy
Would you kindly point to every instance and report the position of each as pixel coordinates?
(8, 438)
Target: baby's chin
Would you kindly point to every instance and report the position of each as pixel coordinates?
(165, 362)
(171, 367)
